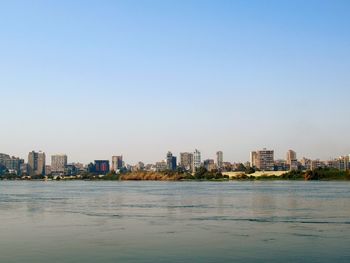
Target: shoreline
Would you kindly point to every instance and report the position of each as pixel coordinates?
(322, 174)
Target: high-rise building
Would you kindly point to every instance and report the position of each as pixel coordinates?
(219, 159)
(291, 160)
(171, 161)
(101, 166)
(32, 162)
(117, 162)
(291, 155)
(196, 160)
(265, 160)
(58, 163)
(36, 163)
(41, 163)
(186, 160)
(253, 158)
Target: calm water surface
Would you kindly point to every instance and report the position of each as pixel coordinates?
(174, 221)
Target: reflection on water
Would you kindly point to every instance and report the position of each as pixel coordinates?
(174, 221)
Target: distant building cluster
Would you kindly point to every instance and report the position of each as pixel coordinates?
(263, 160)
(260, 160)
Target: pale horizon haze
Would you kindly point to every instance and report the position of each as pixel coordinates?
(93, 79)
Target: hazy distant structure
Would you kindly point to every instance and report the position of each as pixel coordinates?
(265, 160)
(48, 169)
(219, 159)
(140, 166)
(117, 162)
(315, 164)
(36, 163)
(24, 170)
(186, 161)
(291, 160)
(58, 163)
(161, 166)
(196, 160)
(171, 161)
(340, 163)
(209, 164)
(305, 163)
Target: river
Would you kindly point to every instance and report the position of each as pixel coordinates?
(123, 221)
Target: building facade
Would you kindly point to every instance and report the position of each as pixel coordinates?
(291, 160)
(219, 159)
(161, 166)
(101, 166)
(186, 161)
(253, 158)
(171, 161)
(58, 163)
(265, 160)
(117, 162)
(209, 164)
(341, 163)
(315, 164)
(196, 160)
(36, 163)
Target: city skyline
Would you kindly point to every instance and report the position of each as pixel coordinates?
(62, 159)
(93, 80)
(262, 160)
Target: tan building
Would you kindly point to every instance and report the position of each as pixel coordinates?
(291, 160)
(317, 164)
(253, 158)
(186, 160)
(265, 160)
(209, 164)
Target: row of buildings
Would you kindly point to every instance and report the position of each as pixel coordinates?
(261, 160)
(189, 161)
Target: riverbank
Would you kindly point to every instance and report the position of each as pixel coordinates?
(325, 174)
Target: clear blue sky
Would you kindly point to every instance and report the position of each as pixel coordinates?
(96, 78)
